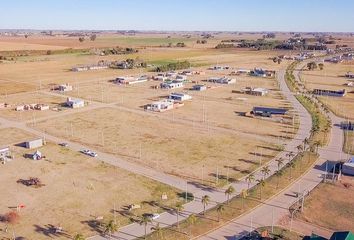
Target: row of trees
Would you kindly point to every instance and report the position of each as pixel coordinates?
(313, 65)
(173, 66)
(92, 38)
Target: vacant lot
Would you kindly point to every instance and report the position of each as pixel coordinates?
(329, 206)
(332, 77)
(172, 147)
(87, 189)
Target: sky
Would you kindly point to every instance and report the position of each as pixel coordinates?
(179, 15)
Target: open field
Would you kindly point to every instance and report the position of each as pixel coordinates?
(95, 189)
(332, 77)
(162, 144)
(339, 207)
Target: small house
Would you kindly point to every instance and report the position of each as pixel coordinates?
(20, 108)
(179, 97)
(41, 107)
(5, 154)
(222, 80)
(349, 75)
(171, 85)
(256, 91)
(331, 93)
(199, 87)
(181, 77)
(37, 155)
(160, 106)
(259, 72)
(268, 112)
(348, 167)
(36, 143)
(131, 80)
(75, 103)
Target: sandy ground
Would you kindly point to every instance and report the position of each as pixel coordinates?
(339, 206)
(332, 77)
(77, 189)
(169, 146)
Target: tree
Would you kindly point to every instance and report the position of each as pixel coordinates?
(230, 190)
(93, 37)
(278, 173)
(311, 66)
(299, 149)
(191, 220)
(265, 171)
(220, 209)
(306, 142)
(81, 39)
(261, 184)
(158, 230)
(321, 66)
(79, 236)
(290, 155)
(280, 162)
(178, 208)
(279, 60)
(250, 178)
(291, 166)
(205, 202)
(144, 220)
(110, 227)
(244, 195)
(317, 144)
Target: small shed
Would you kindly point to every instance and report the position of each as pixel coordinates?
(348, 167)
(199, 87)
(37, 155)
(36, 143)
(268, 112)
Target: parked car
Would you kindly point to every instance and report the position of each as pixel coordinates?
(89, 153)
(152, 216)
(63, 144)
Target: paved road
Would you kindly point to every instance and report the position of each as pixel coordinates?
(274, 210)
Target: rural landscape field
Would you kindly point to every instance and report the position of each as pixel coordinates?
(156, 133)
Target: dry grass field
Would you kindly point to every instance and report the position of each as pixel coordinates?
(94, 188)
(332, 77)
(169, 146)
(338, 205)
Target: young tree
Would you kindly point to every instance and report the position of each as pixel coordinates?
(178, 208)
(191, 220)
(244, 195)
(291, 166)
(290, 155)
(265, 171)
(228, 192)
(220, 209)
(78, 236)
(321, 66)
(205, 202)
(158, 230)
(280, 162)
(317, 144)
(261, 184)
(278, 173)
(250, 178)
(110, 227)
(81, 39)
(144, 220)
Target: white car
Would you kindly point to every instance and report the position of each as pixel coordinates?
(89, 152)
(153, 216)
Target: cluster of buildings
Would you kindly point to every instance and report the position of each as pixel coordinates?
(34, 106)
(330, 93)
(131, 80)
(340, 58)
(174, 100)
(222, 80)
(255, 91)
(90, 67)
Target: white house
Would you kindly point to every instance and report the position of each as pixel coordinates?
(256, 91)
(172, 85)
(36, 143)
(75, 103)
(37, 155)
(181, 77)
(131, 80)
(160, 106)
(5, 154)
(180, 97)
(223, 80)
